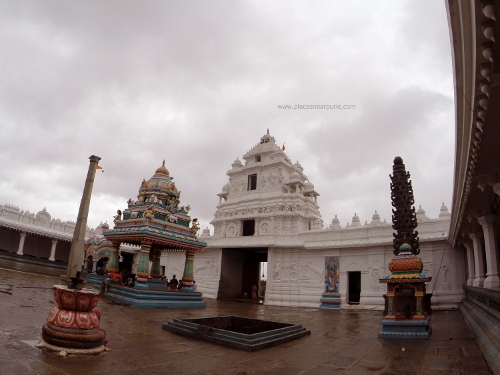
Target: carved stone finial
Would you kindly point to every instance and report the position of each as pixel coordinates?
(404, 218)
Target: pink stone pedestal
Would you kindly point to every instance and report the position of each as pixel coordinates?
(73, 325)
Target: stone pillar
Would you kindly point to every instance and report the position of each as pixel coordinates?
(187, 277)
(143, 266)
(477, 239)
(77, 253)
(390, 306)
(491, 249)
(470, 263)
(21, 243)
(155, 267)
(114, 257)
(419, 313)
(52, 256)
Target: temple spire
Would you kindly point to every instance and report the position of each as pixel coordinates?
(404, 218)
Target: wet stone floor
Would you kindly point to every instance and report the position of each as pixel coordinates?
(341, 342)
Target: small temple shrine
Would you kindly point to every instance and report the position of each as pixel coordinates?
(156, 222)
(407, 305)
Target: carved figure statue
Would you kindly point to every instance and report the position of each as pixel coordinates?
(173, 206)
(117, 217)
(195, 227)
(148, 214)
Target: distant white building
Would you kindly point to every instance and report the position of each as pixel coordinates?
(36, 235)
(268, 212)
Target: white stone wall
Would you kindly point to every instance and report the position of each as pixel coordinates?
(296, 264)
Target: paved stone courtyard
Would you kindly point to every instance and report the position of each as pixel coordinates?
(341, 342)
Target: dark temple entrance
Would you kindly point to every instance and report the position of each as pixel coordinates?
(240, 270)
(354, 287)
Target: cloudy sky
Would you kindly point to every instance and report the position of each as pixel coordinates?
(198, 83)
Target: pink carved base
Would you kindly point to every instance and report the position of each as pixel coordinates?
(73, 324)
(74, 319)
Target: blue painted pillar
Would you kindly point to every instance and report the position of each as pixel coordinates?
(187, 277)
(143, 267)
(114, 258)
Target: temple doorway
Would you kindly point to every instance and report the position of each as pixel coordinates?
(126, 261)
(241, 272)
(354, 287)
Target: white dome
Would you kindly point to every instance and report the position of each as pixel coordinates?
(294, 175)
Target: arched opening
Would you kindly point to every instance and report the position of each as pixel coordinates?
(405, 303)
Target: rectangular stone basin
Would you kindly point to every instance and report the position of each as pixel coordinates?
(237, 332)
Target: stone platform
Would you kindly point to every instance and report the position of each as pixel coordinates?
(153, 296)
(405, 329)
(341, 342)
(237, 332)
(330, 301)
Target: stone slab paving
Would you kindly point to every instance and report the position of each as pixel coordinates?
(341, 342)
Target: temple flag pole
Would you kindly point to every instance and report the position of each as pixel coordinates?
(78, 242)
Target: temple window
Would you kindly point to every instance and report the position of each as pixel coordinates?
(257, 158)
(248, 227)
(252, 181)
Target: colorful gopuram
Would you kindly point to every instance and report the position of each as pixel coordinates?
(407, 304)
(156, 222)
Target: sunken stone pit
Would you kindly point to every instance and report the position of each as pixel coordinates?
(240, 333)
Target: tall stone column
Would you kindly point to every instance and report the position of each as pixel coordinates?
(187, 277)
(477, 239)
(52, 256)
(491, 250)
(143, 266)
(114, 258)
(21, 243)
(76, 253)
(155, 266)
(470, 263)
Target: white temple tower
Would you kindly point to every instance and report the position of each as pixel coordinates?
(268, 195)
(268, 212)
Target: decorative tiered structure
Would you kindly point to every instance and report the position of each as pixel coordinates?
(407, 305)
(156, 223)
(73, 325)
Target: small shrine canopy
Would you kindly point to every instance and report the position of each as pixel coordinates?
(156, 223)
(156, 218)
(168, 238)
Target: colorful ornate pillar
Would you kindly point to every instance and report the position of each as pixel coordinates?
(114, 258)
(419, 297)
(390, 303)
(143, 267)
(155, 267)
(187, 277)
